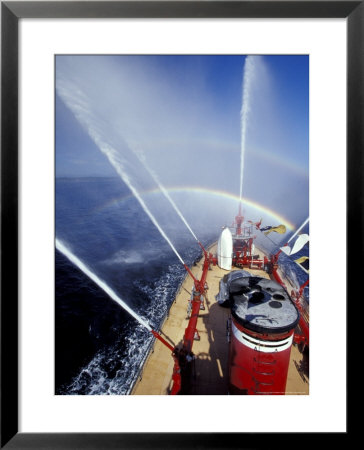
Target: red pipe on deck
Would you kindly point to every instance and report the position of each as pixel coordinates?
(203, 249)
(159, 337)
(191, 328)
(176, 377)
(200, 289)
(191, 274)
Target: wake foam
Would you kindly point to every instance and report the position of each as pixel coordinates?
(114, 370)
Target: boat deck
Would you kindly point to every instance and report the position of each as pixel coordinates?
(210, 368)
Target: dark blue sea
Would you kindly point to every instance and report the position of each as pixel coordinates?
(99, 348)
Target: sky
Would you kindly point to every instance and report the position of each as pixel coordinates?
(181, 116)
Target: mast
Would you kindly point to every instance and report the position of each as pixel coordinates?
(239, 220)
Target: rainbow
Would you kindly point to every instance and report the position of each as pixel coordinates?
(207, 144)
(280, 162)
(202, 190)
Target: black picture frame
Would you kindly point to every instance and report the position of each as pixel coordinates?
(11, 12)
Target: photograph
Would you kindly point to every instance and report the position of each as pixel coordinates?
(181, 224)
(177, 179)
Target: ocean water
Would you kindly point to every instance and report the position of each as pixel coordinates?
(99, 348)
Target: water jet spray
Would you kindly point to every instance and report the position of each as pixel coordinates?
(110, 292)
(249, 69)
(143, 161)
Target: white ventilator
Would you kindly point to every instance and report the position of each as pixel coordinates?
(225, 249)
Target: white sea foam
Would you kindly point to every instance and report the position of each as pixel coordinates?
(95, 378)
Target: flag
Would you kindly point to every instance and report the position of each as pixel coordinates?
(281, 229)
(266, 228)
(303, 262)
(301, 241)
(257, 224)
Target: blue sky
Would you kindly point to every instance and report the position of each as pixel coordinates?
(183, 114)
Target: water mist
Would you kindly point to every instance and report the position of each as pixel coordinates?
(110, 292)
(248, 76)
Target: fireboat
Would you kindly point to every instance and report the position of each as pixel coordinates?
(237, 326)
